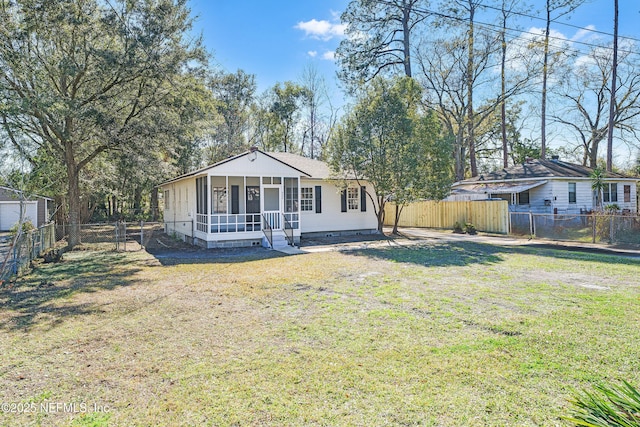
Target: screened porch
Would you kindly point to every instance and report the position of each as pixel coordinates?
(243, 206)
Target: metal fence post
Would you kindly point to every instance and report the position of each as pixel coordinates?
(124, 226)
(117, 231)
(141, 234)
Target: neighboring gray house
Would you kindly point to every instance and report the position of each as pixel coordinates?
(548, 186)
(37, 209)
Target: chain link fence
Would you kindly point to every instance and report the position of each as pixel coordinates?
(597, 227)
(17, 253)
(119, 236)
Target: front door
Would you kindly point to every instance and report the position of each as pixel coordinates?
(272, 206)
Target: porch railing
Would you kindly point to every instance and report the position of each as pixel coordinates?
(288, 230)
(273, 219)
(222, 223)
(267, 230)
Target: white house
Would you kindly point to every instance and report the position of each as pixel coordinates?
(259, 198)
(548, 186)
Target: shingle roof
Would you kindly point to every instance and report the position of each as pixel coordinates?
(314, 168)
(540, 169)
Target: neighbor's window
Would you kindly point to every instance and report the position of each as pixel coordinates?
(572, 192)
(352, 198)
(218, 200)
(611, 193)
(627, 193)
(523, 198)
(306, 198)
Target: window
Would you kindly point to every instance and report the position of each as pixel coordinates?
(572, 192)
(627, 193)
(166, 199)
(352, 198)
(610, 193)
(218, 200)
(523, 198)
(306, 199)
(290, 194)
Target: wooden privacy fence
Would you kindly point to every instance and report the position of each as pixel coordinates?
(486, 215)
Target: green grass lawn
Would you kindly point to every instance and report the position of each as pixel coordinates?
(429, 335)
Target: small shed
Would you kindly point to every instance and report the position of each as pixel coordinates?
(37, 209)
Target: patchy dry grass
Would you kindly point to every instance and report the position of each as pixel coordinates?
(439, 335)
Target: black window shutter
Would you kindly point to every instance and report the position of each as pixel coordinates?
(318, 199)
(343, 201)
(235, 199)
(363, 199)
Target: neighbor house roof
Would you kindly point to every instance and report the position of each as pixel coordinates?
(540, 169)
(498, 187)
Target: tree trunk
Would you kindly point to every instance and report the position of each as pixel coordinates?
(154, 204)
(74, 197)
(612, 101)
(396, 219)
(406, 42)
(503, 104)
(137, 201)
(380, 214)
(470, 113)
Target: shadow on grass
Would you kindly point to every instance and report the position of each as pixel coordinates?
(457, 254)
(45, 289)
(194, 255)
(437, 255)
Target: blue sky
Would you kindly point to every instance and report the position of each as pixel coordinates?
(276, 39)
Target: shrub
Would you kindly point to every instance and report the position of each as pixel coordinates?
(615, 405)
(26, 227)
(470, 228)
(457, 228)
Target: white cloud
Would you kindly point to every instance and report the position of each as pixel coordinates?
(312, 53)
(322, 30)
(585, 33)
(329, 55)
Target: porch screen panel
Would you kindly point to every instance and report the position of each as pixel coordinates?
(235, 199)
(201, 196)
(291, 194)
(253, 199)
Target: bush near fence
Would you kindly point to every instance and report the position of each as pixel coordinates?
(16, 257)
(490, 216)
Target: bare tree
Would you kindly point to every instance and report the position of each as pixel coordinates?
(586, 96)
(554, 9)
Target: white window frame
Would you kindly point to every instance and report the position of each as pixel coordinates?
(353, 198)
(306, 199)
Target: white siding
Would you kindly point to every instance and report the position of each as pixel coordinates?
(179, 212)
(263, 165)
(331, 219)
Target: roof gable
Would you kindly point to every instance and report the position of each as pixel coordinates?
(249, 163)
